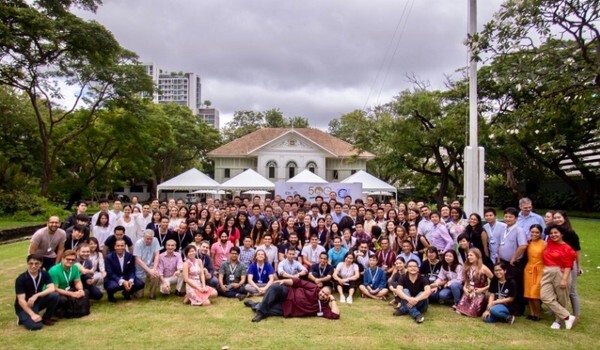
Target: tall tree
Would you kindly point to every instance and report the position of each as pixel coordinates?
(545, 80)
(43, 47)
(246, 122)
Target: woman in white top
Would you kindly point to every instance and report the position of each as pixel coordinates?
(345, 275)
(174, 219)
(97, 263)
(102, 229)
(131, 224)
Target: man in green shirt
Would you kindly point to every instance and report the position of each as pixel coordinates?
(67, 281)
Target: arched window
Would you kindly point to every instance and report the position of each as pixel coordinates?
(291, 167)
(312, 167)
(272, 169)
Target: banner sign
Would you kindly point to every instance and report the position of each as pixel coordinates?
(312, 190)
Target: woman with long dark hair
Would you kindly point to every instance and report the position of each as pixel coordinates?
(479, 238)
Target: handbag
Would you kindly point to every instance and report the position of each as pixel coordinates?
(77, 308)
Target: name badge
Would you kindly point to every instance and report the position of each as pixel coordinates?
(431, 278)
(49, 249)
(260, 281)
(232, 278)
(319, 314)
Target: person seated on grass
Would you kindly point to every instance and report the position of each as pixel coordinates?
(209, 270)
(385, 255)
(374, 281)
(290, 267)
(86, 270)
(295, 298)
(311, 251)
(120, 273)
(97, 263)
(35, 292)
(292, 243)
(260, 274)
(321, 274)
(407, 252)
(394, 280)
(430, 268)
(449, 283)
(196, 290)
(146, 252)
(119, 234)
(270, 250)
(500, 306)
(346, 275)
(361, 255)
(413, 290)
(232, 276)
(170, 266)
(67, 280)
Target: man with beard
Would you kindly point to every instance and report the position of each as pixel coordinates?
(49, 242)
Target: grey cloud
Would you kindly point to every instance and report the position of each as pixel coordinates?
(311, 58)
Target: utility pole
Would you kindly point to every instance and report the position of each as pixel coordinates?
(474, 172)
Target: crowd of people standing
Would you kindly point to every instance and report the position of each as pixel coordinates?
(295, 254)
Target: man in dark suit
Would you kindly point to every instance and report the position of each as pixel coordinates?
(120, 273)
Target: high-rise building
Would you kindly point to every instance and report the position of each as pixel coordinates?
(210, 116)
(184, 89)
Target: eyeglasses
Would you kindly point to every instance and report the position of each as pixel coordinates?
(69, 259)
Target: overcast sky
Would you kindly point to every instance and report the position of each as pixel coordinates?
(317, 59)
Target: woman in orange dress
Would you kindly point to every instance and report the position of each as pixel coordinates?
(532, 276)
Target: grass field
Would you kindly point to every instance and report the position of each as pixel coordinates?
(168, 324)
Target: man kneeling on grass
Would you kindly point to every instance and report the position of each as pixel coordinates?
(413, 291)
(35, 292)
(295, 298)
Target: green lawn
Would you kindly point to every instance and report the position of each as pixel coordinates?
(168, 324)
(6, 224)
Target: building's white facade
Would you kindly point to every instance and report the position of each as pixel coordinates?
(286, 155)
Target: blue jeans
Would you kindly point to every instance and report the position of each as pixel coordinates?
(48, 302)
(453, 292)
(416, 310)
(498, 313)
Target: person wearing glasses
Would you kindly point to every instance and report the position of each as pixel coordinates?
(413, 290)
(35, 292)
(67, 280)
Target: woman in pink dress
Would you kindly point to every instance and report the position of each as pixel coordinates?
(476, 276)
(196, 290)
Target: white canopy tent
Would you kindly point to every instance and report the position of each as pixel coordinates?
(248, 180)
(190, 180)
(307, 176)
(370, 183)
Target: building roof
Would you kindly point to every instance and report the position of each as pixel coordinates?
(245, 145)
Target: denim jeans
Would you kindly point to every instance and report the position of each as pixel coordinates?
(454, 292)
(498, 313)
(48, 302)
(416, 310)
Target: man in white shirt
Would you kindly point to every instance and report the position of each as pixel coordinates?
(311, 251)
(290, 267)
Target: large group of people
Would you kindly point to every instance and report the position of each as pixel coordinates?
(295, 254)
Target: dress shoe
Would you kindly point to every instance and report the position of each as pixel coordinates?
(48, 322)
(240, 296)
(259, 317)
(250, 303)
(111, 298)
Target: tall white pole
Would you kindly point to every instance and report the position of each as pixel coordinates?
(474, 155)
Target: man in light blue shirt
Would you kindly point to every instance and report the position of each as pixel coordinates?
(146, 252)
(290, 267)
(527, 217)
(494, 229)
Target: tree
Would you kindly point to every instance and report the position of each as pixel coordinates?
(246, 122)
(207, 103)
(43, 46)
(545, 109)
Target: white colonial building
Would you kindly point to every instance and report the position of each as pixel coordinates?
(281, 153)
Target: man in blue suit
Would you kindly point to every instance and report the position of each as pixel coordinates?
(120, 273)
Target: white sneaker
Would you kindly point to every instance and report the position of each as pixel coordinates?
(342, 299)
(349, 300)
(555, 325)
(569, 322)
